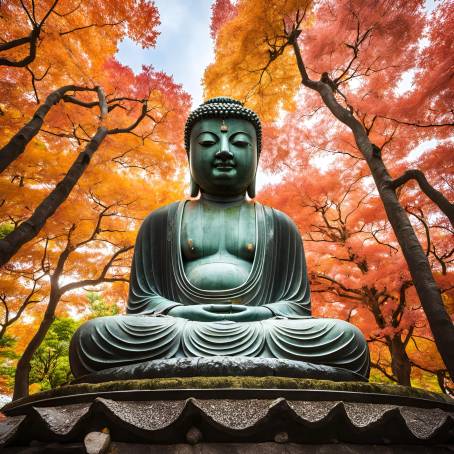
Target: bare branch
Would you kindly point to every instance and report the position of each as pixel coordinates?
(68, 13)
(383, 371)
(37, 79)
(142, 115)
(339, 284)
(14, 43)
(32, 39)
(102, 276)
(436, 196)
(84, 27)
(418, 125)
(426, 228)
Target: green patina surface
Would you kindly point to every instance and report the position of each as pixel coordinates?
(235, 383)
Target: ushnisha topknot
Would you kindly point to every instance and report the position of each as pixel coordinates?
(222, 107)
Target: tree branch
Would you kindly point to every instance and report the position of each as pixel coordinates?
(142, 115)
(383, 371)
(14, 43)
(32, 39)
(426, 228)
(339, 284)
(436, 196)
(84, 27)
(37, 79)
(102, 277)
(16, 145)
(418, 125)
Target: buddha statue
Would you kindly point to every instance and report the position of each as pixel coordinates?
(218, 275)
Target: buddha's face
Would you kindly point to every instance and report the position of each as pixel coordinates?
(223, 155)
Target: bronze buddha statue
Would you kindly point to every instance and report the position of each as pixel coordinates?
(219, 275)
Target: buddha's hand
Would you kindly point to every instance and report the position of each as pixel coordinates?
(218, 312)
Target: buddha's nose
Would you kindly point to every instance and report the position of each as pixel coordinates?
(224, 153)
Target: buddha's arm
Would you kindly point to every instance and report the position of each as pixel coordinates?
(288, 293)
(150, 305)
(144, 297)
(151, 266)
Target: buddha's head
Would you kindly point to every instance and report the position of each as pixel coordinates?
(223, 139)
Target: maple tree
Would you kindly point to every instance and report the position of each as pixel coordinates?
(339, 68)
(109, 271)
(74, 164)
(66, 35)
(357, 272)
(54, 27)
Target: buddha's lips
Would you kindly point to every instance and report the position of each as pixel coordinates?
(224, 165)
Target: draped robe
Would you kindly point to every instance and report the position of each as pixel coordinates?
(278, 281)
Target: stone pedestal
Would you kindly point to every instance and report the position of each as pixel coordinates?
(230, 414)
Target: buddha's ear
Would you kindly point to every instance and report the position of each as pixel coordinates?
(194, 188)
(251, 189)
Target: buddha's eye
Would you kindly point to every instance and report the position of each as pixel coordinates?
(241, 141)
(207, 140)
(207, 143)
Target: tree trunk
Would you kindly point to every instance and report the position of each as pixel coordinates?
(417, 261)
(56, 292)
(400, 363)
(31, 227)
(21, 378)
(418, 264)
(16, 146)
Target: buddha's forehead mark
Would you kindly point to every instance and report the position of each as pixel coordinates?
(224, 127)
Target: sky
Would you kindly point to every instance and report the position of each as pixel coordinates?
(184, 47)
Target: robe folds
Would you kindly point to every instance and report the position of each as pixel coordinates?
(278, 280)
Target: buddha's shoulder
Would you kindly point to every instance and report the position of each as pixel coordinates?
(160, 215)
(278, 217)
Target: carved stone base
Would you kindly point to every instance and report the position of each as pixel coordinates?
(219, 419)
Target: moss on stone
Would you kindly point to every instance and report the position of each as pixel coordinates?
(233, 383)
